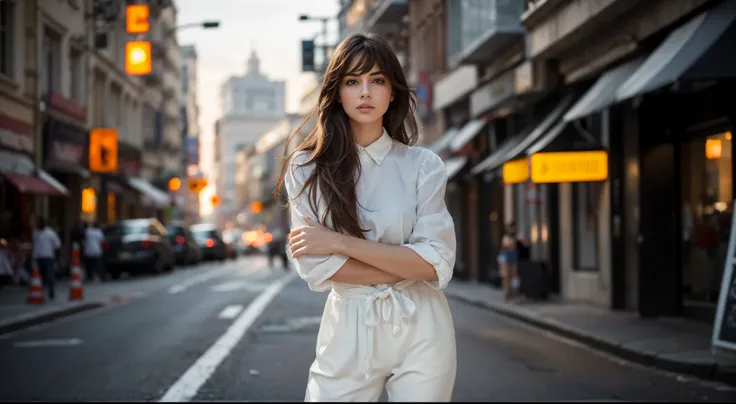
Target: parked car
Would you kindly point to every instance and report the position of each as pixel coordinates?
(210, 242)
(137, 245)
(186, 249)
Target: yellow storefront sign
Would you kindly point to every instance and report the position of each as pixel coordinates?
(515, 171)
(578, 166)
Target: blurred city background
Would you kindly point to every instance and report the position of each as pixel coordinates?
(602, 129)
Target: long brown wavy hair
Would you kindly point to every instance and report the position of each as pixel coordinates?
(331, 146)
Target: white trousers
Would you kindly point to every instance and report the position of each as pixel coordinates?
(401, 338)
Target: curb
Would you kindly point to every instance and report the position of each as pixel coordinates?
(703, 371)
(31, 319)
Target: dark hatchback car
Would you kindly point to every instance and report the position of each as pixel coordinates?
(186, 249)
(210, 242)
(137, 245)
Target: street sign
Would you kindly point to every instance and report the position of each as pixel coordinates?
(573, 166)
(136, 19)
(308, 55)
(196, 185)
(103, 150)
(515, 171)
(138, 58)
(724, 325)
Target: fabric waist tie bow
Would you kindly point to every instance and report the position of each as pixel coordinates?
(380, 305)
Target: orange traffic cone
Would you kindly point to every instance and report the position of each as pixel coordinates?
(75, 291)
(36, 296)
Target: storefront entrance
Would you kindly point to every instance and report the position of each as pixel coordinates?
(707, 208)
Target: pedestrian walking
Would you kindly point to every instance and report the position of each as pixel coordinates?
(93, 238)
(369, 223)
(46, 248)
(514, 249)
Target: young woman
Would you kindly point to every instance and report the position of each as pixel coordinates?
(369, 222)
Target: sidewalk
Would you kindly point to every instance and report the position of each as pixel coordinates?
(16, 314)
(675, 345)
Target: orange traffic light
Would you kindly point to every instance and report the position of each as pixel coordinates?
(174, 184)
(215, 200)
(136, 19)
(138, 58)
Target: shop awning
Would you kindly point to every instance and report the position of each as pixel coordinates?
(444, 141)
(53, 182)
(154, 195)
(514, 147)
(454, 165)
(603, 93)
(695, 50)
(547, 138)
(497, 158)
(31, 184)
(467, 133)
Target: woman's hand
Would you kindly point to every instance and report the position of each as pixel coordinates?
(313, 239)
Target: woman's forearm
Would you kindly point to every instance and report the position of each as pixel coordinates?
(359, 273)
(394, 259)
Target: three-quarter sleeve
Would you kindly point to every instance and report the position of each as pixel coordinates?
(433, 237)
(316, 269)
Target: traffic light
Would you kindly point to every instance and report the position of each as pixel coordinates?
(174, 184)
(136, 19)
(308, 55)
(103, 150)
(215, 200)
(138, 58)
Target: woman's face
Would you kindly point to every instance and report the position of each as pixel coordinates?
(365, 98)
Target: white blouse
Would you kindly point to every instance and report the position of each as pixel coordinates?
(401, 199)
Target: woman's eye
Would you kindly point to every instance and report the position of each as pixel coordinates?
(351, 81)
(379, 81)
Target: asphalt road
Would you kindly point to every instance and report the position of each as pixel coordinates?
(205, 338)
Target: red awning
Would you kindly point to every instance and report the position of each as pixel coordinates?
(28, 184)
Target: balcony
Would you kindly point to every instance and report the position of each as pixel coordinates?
(157, 73)
(379, 16)
(478, 30)
(385, 15)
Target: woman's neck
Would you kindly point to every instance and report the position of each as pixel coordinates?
(366, 133)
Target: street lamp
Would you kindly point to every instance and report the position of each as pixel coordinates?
(202, 24)
(306, 17)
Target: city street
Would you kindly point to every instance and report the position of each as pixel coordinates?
(239, 336)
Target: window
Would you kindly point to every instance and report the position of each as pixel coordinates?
(585, 204)
(76, 90)
(52, 61)
(7, 9)
(586, 200)
(707, 209)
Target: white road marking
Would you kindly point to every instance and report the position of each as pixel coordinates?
(178, 288)
(192, 380)
(48, 342)
(231, 311)
(240, 285)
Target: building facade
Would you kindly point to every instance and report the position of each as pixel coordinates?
(602, 129)
(190, 129)
(252, 104)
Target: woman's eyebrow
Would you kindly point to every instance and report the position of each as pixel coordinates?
(353, 74)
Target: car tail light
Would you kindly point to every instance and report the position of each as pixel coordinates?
(209, 242)
(179, 239)
(146, 243)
